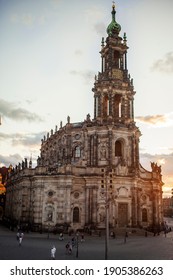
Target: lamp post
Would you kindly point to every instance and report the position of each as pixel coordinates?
(107, 228)
(49, 219)
(20, 212)
(48, 230)
(77, 245)
(107, 215)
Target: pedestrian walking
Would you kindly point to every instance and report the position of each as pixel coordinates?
(53, 252)
(73, 241)
(67, 247)
(61, 237)
(82, 238)
(70, 249)
(20, 236)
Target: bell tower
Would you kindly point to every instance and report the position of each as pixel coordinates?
(113, 88)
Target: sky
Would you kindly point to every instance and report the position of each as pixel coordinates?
(49, 55)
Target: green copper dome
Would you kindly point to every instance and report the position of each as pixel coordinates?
(113, 27)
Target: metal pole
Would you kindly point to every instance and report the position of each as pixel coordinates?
(77, 245)
(48, 231)
(107, 223)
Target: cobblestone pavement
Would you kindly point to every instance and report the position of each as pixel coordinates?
(37, 246)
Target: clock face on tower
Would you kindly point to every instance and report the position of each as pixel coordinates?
(117, 73)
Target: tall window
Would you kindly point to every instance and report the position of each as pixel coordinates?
(117, 104)
(106, 106)
(77, 153)
(76, 215)
(119, 110)
(117, 59)
(118, 149)
(144, 215)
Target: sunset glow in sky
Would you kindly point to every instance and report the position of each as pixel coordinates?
(49, 55)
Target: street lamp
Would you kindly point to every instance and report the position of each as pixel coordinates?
(49, 219)
(20, 212)
(48, 230)
(77, 244)
(107, 228)
(107, 215)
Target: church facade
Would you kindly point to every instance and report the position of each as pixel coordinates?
(86, 167)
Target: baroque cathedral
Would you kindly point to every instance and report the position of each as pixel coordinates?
(86, 167)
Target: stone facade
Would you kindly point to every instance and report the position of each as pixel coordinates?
(85, 167)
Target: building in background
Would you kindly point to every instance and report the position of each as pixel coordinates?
(85, 167)
(168, 206)
(3, 178)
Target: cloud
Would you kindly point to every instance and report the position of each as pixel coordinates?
(25, 19)
(86, 75)
(11, 159)
(12, 111)
(164, 65)
(151, 119)
(93, 14)
(100, 28)
(4, 136)
(30, 143)
(78, 52)
(55, 3)
(29, 20)
(165, 120)
(15, 159)
(31, 140)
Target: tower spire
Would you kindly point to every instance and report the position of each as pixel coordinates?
(113, 98)
(113, 28)
(113, 11)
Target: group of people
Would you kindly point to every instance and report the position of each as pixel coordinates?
(68, 247)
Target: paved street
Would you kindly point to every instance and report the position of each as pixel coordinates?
(37, 246)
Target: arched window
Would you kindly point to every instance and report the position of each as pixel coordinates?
(77, 152)
(118, 149)
(144, 215)
(76, 215)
